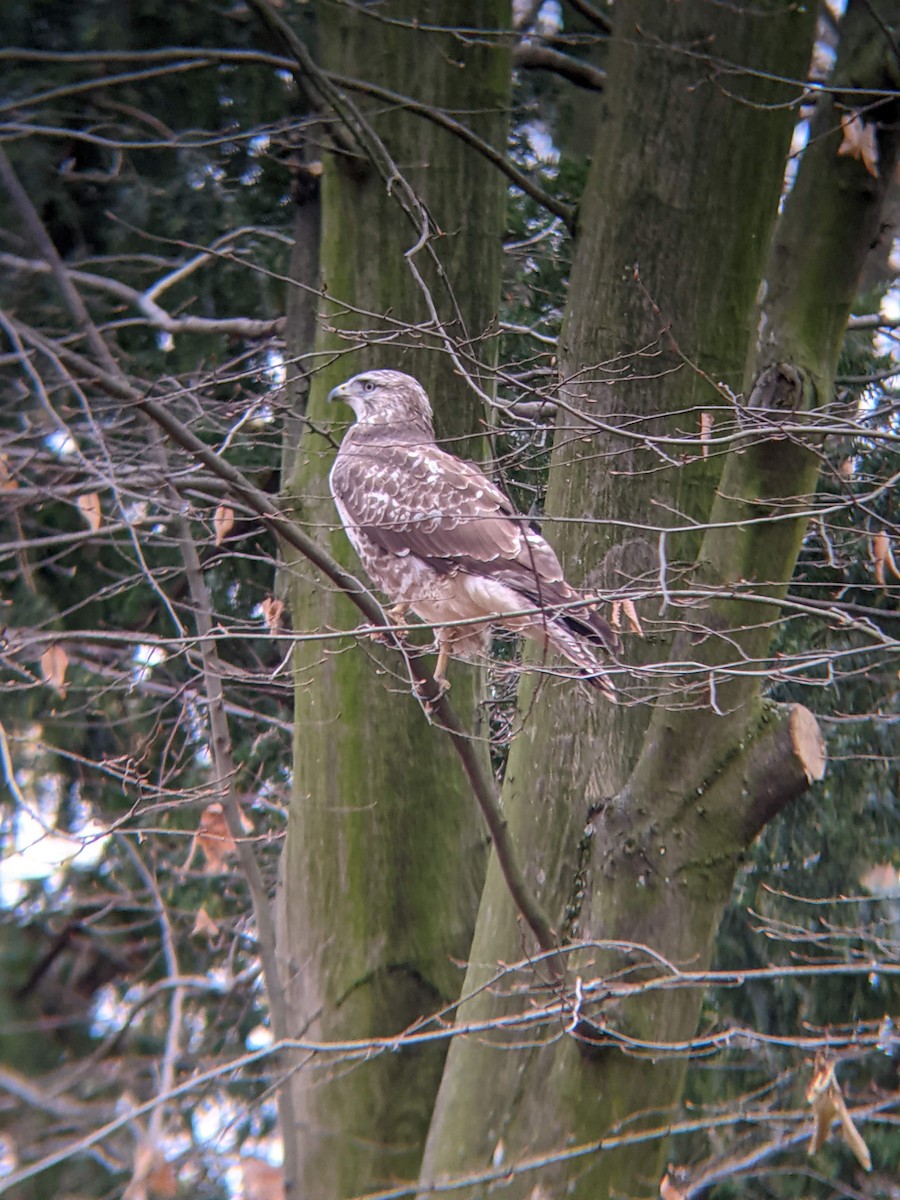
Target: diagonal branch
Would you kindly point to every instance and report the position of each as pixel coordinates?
(435, 699)
(518, 178)
(328, 87)
(536, 57)
(224, 772)
(592, 14)
(111, 377)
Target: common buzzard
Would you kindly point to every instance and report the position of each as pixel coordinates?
(436, 536)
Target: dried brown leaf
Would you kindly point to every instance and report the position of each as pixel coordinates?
(272, 611)
(820, 1094)
(262, 1181)
(859, 142)
(827, 1100)
(152, 1176)
(706, 424)
(634, 621)
(214, 837)
(7, 483)
(673, 1185)
(883, 558)
(881, 879)
(54, 662)
(853, 1137)
(223, 523)
(626, 607)
(89, 507)
(205, 926)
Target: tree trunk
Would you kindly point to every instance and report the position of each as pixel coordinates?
(386, 851)
(632, 821)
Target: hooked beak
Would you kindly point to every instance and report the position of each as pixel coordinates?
(339, 393)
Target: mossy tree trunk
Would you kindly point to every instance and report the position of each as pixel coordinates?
(632, 821)
(386, 851)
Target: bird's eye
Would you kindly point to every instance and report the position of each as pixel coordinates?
(368, 386)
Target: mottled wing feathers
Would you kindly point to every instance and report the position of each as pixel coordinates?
(418, 500)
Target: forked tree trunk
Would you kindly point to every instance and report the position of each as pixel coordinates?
(385, 852)
(632, 821)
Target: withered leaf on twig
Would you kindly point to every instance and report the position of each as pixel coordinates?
(881, 879)
(859, 142)
(272, 611)
(89, 507)
(883, 558)
(706, 424)
(54, 662)
(204, 925)
(7, 483)
(153, 1177)
(626, 607)
(262, 1181)
(826, 1098)
(674, 1184)
(214, 838)
(223, 523)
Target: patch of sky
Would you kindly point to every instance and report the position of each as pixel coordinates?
(145, 658)
(33, 847)
(277, 373)
(258, 1038)
(61, 443)
(550, 18)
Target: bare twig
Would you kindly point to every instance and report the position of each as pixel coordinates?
(427, 689)
(145, 303)
(446, 717)
(535, 57)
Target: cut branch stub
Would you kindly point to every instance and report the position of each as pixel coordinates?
(780, 765)
(808, 743)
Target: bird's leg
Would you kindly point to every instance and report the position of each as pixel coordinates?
(444, 640)
(396, 614)
(440, 670)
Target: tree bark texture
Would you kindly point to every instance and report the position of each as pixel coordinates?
(632, 821)
(386, 850)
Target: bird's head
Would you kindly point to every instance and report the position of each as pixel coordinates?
(387, 398)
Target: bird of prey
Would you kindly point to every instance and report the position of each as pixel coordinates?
(436, 536)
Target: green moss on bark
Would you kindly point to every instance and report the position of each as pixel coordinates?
(386, 850)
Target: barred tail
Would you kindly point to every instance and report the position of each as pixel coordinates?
(577, 649)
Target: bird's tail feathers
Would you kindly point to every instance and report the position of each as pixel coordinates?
(588, 623)
(583, 621)
(577, 647)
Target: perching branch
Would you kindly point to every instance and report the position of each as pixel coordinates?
(111, 377)
(446, 717)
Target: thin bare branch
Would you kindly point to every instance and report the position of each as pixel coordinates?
(532, 56)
